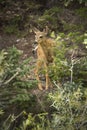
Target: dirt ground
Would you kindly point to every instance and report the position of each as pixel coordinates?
(24, 44)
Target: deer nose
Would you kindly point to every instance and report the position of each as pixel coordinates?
(35, 42)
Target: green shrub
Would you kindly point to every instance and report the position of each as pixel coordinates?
(3, 64)
(70, 103)
(81, 12)
(15, 85)
(11, 29)
(67, 65)
(67, 2)
(50, 17)
(36, 122)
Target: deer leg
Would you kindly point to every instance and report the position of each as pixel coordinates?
(48, 81)
(37, 77)
(47, 76)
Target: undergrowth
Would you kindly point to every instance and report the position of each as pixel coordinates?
(65, 107)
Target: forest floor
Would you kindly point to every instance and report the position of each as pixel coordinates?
(24, 44)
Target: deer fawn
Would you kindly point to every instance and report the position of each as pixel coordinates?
(45, 55)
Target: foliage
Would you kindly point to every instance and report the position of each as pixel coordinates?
(67, 2)
(31, 122)
(27, 15)
(1, 112)
(50, 17)
(14, 82)
(16, 69)
(70, 103)
(3, 63)
(68, 74)
(81, 12)
(12, 27)
(70, 109)
(70, 62)
(85, 40)
(69, 77)
(60, 67)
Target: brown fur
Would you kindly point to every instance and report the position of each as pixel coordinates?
(45, 56)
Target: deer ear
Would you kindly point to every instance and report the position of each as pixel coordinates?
(35, 30)
(46, 30)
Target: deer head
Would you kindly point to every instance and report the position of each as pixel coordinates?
(39, 36)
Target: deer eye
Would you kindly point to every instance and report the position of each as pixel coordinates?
(41, 36)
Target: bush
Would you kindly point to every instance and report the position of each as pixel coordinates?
(70, 59)
(15, 84)
(70, 103)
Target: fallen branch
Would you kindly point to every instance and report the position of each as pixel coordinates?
(9, 80)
